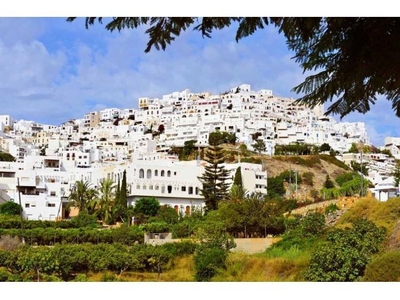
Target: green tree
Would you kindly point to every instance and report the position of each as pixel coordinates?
(148, 206)
(337, 47)
(237, 180)
(387, 152)
(188, 148)
(215, 138)
(121, 205)
(214, 179)
(275, 187)
(4, 156)
(10, 208)
(167, 214)
(325, 147)
(396, 174)
(106, 200)
(81, 196)
(259, 146)
(353, 148)
(346, 253)
(213, 248)
(328, 184)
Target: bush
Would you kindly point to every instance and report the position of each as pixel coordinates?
(385, 267)
(331, 208)
(345, 177)
(207, 261)
(346, 253)
(308, 178)
(9, 243)
(10, 208)
(84, 220)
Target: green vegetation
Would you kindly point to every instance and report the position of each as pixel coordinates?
(384, 267)
(10, 208)
(215, 187)
(346, 253)
(221, 137)
(5, 156)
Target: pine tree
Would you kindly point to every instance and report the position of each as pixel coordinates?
(214, 178)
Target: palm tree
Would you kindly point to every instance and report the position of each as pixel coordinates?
(79, 198)
(92, 195)
(106, 200)
(237, 193)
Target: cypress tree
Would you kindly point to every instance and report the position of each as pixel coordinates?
(214, 178)
(123, 191)
(238, 178)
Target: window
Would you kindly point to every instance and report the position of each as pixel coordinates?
(162, 173)
(197, 190)
(174, 173)
(169, 174)
(190, 190)
(156, 173)
(183, 188)
(141, 173)
(27, 205)
(53, 194)
(51, 205)
(169, 189)
(148, 175)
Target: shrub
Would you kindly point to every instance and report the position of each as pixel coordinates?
(346, 253)
(345, 177)
(10, 208)
(308, 178)
(84, 220)
(331, 208)
(207, 261)
(385, 267)
(10, 243)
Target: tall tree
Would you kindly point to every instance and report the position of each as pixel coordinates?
(106, 200)
(237, 180)
(214, 179)
(356, 57)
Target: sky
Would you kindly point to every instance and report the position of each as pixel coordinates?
(54, 70)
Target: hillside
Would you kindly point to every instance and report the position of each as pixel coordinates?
(319, 165)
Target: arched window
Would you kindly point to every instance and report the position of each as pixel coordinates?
(176, 207)
(156, 173)
(169, 174)
(187, 210)
(162, 173)
(148, 174)
(141, 173)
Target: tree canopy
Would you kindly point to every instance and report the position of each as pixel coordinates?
(355, 59)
